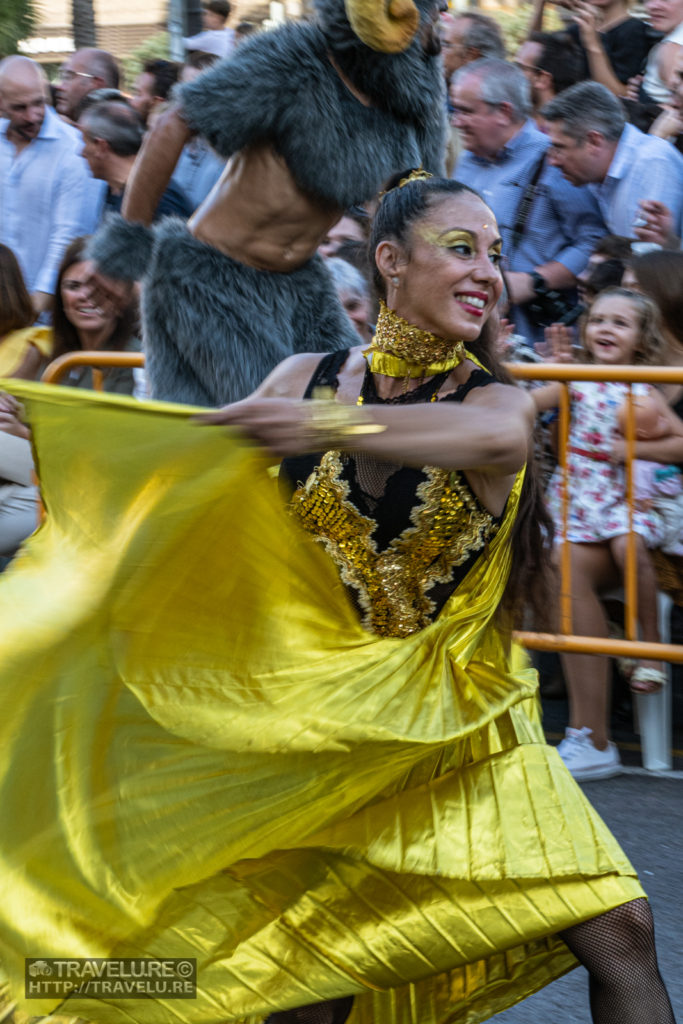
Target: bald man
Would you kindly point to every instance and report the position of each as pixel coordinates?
(47, 194)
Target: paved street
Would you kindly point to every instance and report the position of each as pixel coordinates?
(645, 812)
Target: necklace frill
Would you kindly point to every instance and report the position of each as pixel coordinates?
(402, 350)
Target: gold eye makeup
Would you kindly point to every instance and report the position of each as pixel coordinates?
(447, 239)
(457, 236)
(496, 249)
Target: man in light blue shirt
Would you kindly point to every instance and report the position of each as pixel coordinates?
(548, 246)
(592, 144)
(47, 195)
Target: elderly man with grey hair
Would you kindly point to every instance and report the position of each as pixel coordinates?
(591, 144)
(549, 227)
(467, 37)
(84, 72)
(112, 137)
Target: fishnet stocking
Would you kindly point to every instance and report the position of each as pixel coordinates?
(618, 950)
(372, 476)
(334, 1011)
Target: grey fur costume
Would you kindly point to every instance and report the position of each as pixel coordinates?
(213, 327)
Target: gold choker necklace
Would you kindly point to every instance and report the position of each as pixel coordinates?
(399, 349)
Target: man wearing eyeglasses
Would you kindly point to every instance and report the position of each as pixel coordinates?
(84, 72)
(551, 62)
(549, 227)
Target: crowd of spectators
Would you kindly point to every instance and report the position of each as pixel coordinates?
(574, 141)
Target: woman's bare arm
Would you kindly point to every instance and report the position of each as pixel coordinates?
(290, 378)
(489, 432)
(547, 397)
(31, 364)
(662, 449)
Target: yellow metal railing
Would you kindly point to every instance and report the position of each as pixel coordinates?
(54, 372)
(566, 640)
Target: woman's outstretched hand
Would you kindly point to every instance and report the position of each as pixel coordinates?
(10, 411)
(282, 425)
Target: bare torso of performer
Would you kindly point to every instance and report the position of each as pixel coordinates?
(255, 213)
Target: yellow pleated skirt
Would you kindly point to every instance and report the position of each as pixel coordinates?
(203, 754)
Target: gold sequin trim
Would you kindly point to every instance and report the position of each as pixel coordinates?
(448, 525)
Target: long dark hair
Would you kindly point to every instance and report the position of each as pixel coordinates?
(660, 275)
(65, 334)
(16, 308)
(531, 584)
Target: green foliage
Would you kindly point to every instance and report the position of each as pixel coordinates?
(153, 48)
(17, 20)
(514, 24)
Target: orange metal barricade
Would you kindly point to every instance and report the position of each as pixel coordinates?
(566, 640)
(54, 372)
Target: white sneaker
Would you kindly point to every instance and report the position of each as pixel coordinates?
(582, 758)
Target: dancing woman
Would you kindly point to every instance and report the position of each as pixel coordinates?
(424, 454)
(303, 749)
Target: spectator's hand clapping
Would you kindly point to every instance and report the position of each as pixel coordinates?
(633, 88)
(505, 331)
(656, 224)
(668, 125)
(558, 339)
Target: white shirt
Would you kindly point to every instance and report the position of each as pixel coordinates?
(214, 40)
(653, 85)
(47, 198)
(643, 167)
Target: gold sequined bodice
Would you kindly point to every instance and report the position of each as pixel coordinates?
(400, 586)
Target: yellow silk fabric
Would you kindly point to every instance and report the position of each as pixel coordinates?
(203, 754)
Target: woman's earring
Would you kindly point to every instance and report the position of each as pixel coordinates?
(394, 281)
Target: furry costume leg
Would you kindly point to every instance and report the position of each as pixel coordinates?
(214, 328)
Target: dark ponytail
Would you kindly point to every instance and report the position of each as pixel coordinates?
(531, 587)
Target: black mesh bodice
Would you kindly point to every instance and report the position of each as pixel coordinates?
(402, 538)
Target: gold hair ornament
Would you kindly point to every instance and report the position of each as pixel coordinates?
(419, 175)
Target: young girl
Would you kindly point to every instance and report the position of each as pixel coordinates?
(621, 327)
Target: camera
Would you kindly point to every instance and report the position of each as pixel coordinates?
(550, 306)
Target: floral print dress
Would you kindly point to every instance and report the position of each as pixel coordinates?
(597, 487)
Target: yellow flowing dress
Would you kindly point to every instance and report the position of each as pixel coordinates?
(204, 754)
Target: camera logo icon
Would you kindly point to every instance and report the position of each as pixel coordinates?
(40, 968)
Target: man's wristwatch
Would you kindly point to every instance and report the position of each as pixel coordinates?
(539, 283)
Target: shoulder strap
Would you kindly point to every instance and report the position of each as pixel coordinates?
(526, 202)
(477, 379)
(326, 373)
